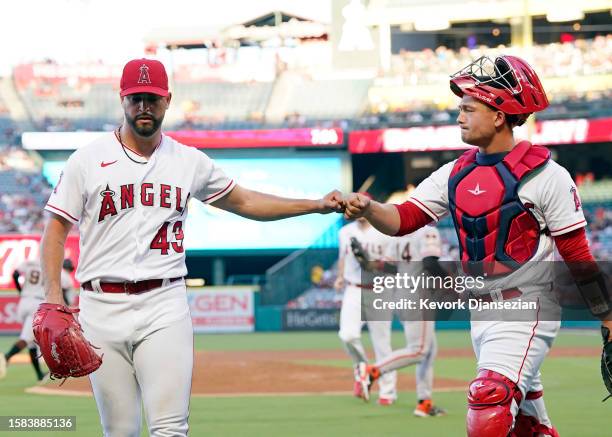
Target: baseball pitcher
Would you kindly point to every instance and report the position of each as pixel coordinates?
(128, 193)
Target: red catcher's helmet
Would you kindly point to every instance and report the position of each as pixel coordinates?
(508, 84)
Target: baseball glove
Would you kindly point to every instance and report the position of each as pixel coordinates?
(606, 361)
(359, 252)
(60, 338)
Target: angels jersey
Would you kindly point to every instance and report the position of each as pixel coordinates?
(131, 212)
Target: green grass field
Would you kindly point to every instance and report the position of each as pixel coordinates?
(573, 392)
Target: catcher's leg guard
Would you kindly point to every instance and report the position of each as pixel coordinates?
(490, 399)
(527, 424)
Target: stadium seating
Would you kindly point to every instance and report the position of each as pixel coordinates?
(23, 194)
(578, 58)
(320, 99)
(68, 108)
(596, 192)
(6, 121)
(413, 83)
(221, 101)
(411, 87)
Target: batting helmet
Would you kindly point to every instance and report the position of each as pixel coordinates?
(68, 265)
(508, 84)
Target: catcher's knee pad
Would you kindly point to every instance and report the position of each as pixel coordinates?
(490, 405)
(529, 426)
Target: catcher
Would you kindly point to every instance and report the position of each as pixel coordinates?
(510, 203)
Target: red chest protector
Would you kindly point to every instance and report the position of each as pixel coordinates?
(497, 232)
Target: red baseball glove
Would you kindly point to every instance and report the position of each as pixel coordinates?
(60, 338)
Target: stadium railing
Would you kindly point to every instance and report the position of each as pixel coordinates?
(289, 277)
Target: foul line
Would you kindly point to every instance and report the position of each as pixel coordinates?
(39, 390)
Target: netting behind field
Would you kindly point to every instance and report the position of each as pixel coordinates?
(290, 277)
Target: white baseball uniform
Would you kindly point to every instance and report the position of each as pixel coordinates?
(421, 345)
(379, 247)
(131, 214)
(517, 349)
(32, 295)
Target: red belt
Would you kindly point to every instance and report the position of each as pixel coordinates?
(509, 293)
(129, 287)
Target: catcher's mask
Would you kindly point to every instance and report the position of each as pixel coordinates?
(508, 84)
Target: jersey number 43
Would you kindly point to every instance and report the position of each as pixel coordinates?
(160, 241)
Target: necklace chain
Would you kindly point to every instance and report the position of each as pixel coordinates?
(123, 146)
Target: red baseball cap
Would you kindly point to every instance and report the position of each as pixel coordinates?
(144, 76)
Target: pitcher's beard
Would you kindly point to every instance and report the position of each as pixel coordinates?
(146, 130)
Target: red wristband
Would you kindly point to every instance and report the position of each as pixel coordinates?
(411, 218)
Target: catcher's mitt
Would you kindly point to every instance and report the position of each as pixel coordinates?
(606, 361)
(60, 338)
(360, 254)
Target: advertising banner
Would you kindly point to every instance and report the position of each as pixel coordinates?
(448, 137)
(222, 309)
(320, 138)
(9, 323)
(311, 319)
(15, 249)
(213, 309)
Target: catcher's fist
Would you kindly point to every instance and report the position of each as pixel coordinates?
(356, 205)
(62, 344)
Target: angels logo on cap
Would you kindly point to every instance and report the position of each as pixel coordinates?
(144, 76)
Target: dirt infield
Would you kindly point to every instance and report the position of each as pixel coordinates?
(263, 372)
(226, 373)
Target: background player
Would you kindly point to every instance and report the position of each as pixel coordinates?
(128, 192)
(540, 207)
(419, 253)
(350, 279)
(28, 282)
